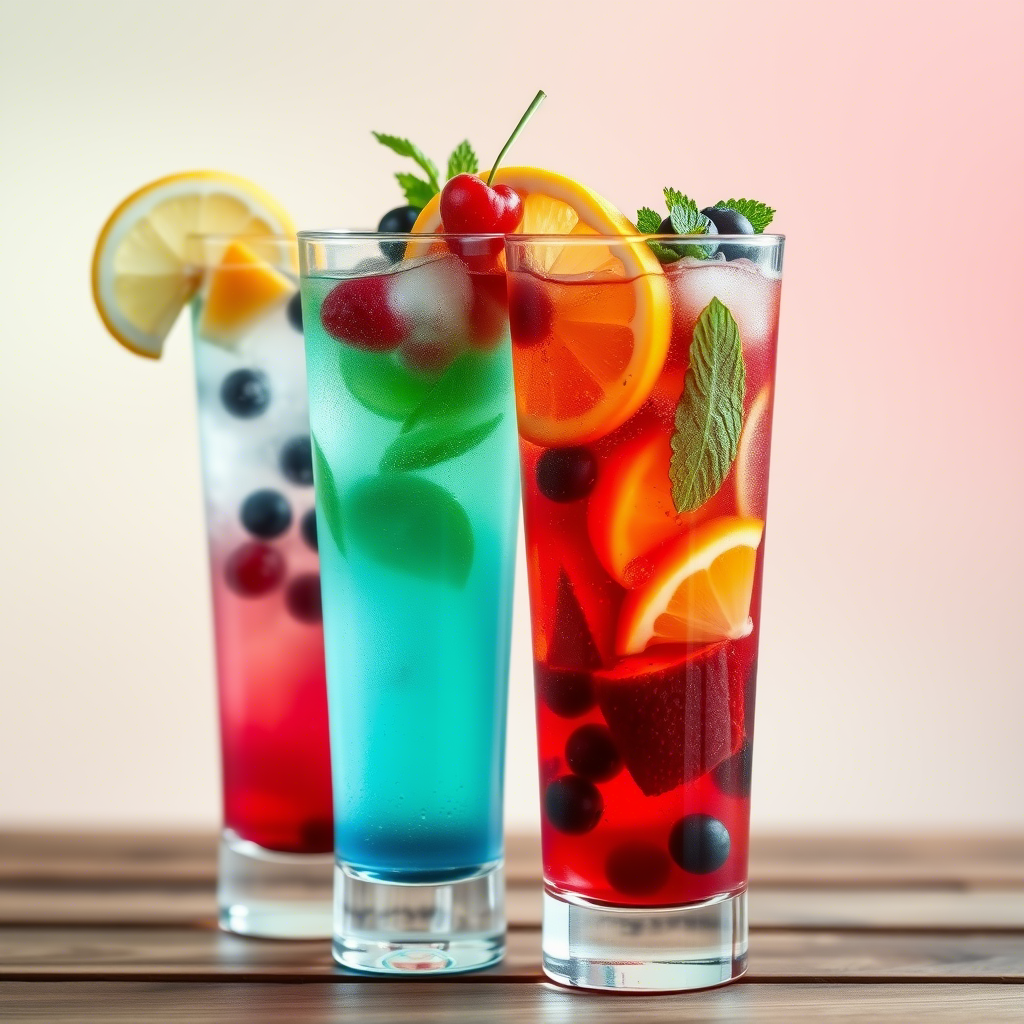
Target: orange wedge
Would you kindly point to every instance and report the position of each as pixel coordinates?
(699, 591)
(141, 274)
(240, 290)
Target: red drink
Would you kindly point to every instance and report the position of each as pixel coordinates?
(645, 404)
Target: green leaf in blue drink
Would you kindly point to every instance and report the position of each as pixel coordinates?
(476, 380)
(436, 442)
(327, 495)
(411, 525)
(381, 384)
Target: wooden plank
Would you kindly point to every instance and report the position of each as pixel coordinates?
(194, 954)
(871, 859)
(454, 1003)
(936, 909)
(185, 954)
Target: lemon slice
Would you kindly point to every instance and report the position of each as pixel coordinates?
(699, 591)
(608, 339)
(140, 271)
(240, 290)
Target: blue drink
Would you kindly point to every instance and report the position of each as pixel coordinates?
(414, 447)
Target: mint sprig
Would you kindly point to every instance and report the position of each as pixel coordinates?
(709, 416)
(759, 214)
(419, 191)
(647, 221)
(463, 160)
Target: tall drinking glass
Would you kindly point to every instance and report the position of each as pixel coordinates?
(644, 388)
(275, 855)
(417, 489)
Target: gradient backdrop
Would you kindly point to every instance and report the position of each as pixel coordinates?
(889, 136)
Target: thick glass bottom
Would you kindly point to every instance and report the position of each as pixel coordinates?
(395, 928)
(664, 949)
(273, 895)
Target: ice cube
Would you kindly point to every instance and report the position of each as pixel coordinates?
(433, 297)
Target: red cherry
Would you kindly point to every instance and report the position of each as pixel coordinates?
(470, 206)
(488, 313)
(513, 211)
(358, 313)
(254, 569)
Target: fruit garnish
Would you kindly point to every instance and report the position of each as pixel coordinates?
(752, 457)
(254, 569)
(242, 288)
(566, 474)
(358, 312)
(141, 272)
(302, 598)
(296, 461)
(726, 217)
(758, 215)
(573, 805)
(673, 718)
(699, 590)
(419, 191)
(709, 416)
(631, 513)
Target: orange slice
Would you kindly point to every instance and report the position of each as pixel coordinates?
(607, 338)
(699, 591)
(141, 276)
(241, 289)
(630, 512)
(752, 457)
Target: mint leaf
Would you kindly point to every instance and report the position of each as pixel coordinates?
(687, 219)
(475, 380)
(403, 147)
(412, 525)
(327, 495)
(647, 221)
(380, 384)
(759, 214)
(417, 191)
(432, 444)
(709, 416)
(664, 253)
(463, 160)
(673, 197)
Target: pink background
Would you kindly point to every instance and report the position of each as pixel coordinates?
(889, 136)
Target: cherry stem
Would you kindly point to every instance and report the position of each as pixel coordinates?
(537, 101)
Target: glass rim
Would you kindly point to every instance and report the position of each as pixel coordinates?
(344, 235)
(763, 240)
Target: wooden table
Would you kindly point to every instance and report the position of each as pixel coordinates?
(120, 927)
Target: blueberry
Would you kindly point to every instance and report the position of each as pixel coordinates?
(732, 776)
(728, 222)
(591, 753)
(731, 222)
(567, 693)
(573, 805)
(566, 474)
(397, 221)
(308, 528)
(254, 569)
(294, 310)
(245, 393)
(266, 514)
(699, 844)
(637, 869)
(303, 598)
(297, 461)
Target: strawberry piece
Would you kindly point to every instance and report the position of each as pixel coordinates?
(675, 717)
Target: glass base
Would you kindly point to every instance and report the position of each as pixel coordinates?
(661, 949)
(270, 894)
(398, 928)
